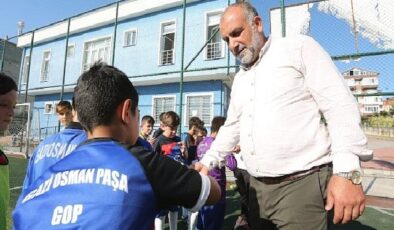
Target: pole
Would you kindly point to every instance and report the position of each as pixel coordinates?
(28, 68)
(283, 17)
(115, 29)
(182, 64)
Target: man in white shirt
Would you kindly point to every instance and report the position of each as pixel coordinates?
(300, 168)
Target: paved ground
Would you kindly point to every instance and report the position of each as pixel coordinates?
(378, 181)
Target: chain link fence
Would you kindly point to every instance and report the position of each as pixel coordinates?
(359, 36)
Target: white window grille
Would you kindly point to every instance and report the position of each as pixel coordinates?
(199, 106)
(214, 48)
(130, 38)
(26, 63)
(167, 43)
(162, 104)
(97, 50)
(45, 66)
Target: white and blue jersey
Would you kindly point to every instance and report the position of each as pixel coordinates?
(103, 185)
(53, 149)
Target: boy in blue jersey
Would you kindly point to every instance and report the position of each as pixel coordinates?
(169, 144)
(54, 148)
(109, 181)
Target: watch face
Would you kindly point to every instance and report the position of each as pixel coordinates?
(356, 177)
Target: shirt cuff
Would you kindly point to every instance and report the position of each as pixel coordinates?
(205, 190)
(209, 161)
(345, 162)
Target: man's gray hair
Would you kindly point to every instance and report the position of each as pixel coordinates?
(249, 10)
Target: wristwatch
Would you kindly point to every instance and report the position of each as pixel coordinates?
(355, 176)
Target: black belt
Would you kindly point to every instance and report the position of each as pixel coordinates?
(293, 176)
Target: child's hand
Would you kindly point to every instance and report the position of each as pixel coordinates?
(152, 140)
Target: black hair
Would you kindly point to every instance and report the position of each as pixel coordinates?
(63, 106)
(73, 102)
(148, 119)
(217, 122)
(7, 84)
(197, 122)
(99, 92)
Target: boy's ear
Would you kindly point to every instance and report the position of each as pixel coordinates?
(124, 110)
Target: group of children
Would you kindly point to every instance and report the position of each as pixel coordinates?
(105, 172)
(186, 152)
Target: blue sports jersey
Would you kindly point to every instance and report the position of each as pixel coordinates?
(100, 186)
(53, 149)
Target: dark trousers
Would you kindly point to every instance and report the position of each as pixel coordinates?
(243, 184)
(290, 205)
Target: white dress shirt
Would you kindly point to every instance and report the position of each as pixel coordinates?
(274, 113)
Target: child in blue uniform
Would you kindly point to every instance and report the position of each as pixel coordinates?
(169, 145)
(54, 148)
(109, 182)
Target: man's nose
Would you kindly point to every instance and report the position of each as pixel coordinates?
(233, 45)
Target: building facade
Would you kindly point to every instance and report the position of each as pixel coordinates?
(10, 56)
(364, 85)
(148, 40)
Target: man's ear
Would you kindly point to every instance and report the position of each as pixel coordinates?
(124, 110)
(259, 23)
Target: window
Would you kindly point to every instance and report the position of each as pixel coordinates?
(25, 69)
(130, 38)
(49, 108)
(97, 50)
(372, 109)
(214, 48)
(70, 51)
(162, 104)
(45, 66)
(199, 106)
(167, 43)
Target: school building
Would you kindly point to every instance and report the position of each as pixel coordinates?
(169, 49)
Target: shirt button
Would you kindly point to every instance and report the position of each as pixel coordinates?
(252, 84)
(252, 153)
(251, 99)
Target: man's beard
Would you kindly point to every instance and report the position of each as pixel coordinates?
(249, 55)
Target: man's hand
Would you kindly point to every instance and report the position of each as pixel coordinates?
(346, 198)
(200, 168)
(236, 149)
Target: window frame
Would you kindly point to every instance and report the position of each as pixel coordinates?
(109, 36)
(52, 109)
(223, 44)
(68, 50)
(43, 61)
(25, 68)
(132, 30)
(186, 116)
(153, 112)
(161, 45)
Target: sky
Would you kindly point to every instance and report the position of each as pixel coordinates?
(38, 13)
(327, 30)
